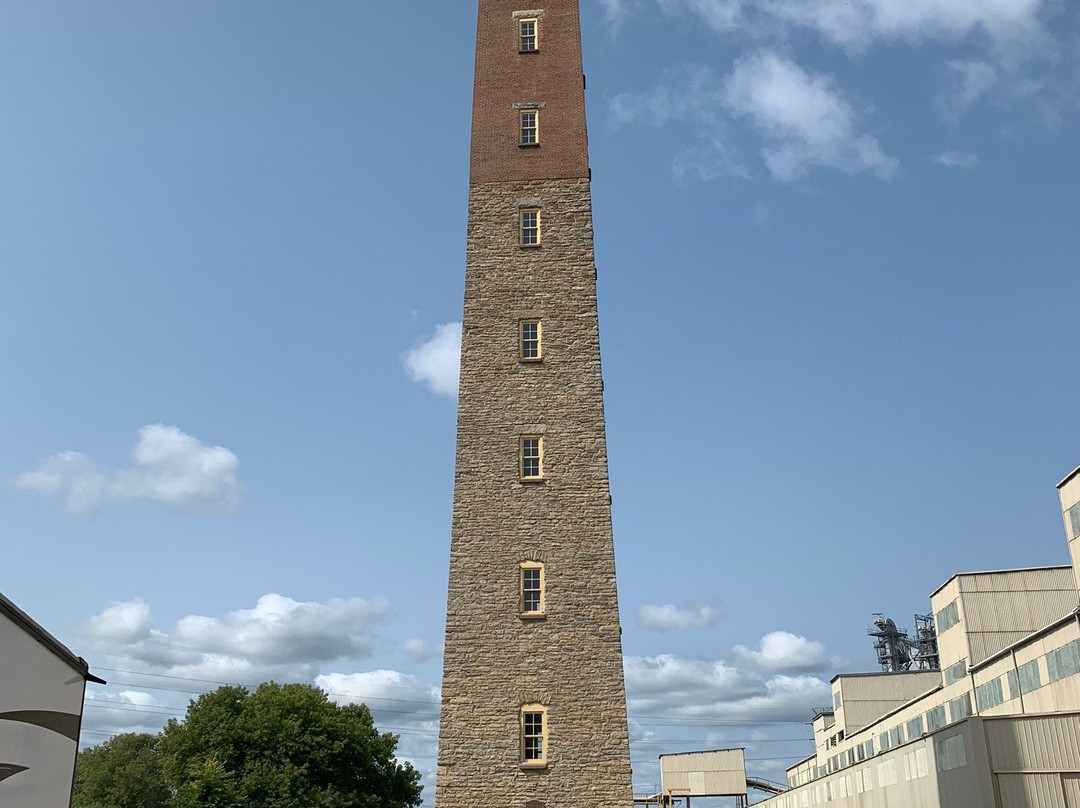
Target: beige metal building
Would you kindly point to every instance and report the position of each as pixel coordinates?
(41, 702)
(998, 726)
(715, 773)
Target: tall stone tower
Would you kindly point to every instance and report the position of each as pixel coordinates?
(533, 701)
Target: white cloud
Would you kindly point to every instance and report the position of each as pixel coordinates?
(436, 362)
(394, 697)
(956, 159)
(279, 638)
(803, 117)
(420, 651)
(1009, 25)
(672, 688)
(616, 11)
(109, 713)
(168, 466)
(720, 15)
(783, 652)
(971, 80)
(399, 703)
(709, 161)
(690, 93)
(672, 618)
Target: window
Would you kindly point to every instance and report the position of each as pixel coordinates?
(1063, 662)
(529, 235)
(1014, 684)
(533, 735)
(529, 121)
(954, 673)
(915, 728)
(836, 700)
(1074, 520)
(528, 40)
(532, 588)
(1029, 676)
(529, 340)
(960, 708)
(935, 719)
(948, 617)
(990, 695)
(532, 455)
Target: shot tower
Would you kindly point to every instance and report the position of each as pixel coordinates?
(533, 701)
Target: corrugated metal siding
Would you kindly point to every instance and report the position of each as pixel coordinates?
(1018, 581)
(1044, 742)
(986, 644)
(1017, 611)
(898, 687)
(705, 773)
(1072, 791)
(1030, 791)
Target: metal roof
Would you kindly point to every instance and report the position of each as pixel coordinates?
(1069, 476)
(27, 624)
(1000, 572)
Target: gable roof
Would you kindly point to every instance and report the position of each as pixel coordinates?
(27, 624)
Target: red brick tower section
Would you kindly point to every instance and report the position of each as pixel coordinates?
(533, 701)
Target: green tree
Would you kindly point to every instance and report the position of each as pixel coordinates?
(123, 772)
(283, 746)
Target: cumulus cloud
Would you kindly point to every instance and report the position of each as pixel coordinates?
(804, 119)
(668, 617)
(399, 703)
(397, 697)
(168, 466)
(110, 713)
(436, 362)
(279, 638)
(420, 651)
(956, 159)
(783, 652)
(674, 688)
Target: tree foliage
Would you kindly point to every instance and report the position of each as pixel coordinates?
(282, 746)
(123, 772)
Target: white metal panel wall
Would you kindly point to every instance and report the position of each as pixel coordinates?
(722, 772)
(1071, 782)
(1036, 742)
(1030, 791)
(32, 678)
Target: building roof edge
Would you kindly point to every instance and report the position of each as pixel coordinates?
(1069, 476)
(31, 627)
(1000, 572)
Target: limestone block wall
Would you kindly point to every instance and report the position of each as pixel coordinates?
(496, 660)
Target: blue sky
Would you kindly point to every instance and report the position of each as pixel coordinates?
(836, 245)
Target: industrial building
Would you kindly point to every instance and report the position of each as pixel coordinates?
(42, 685)
(998, 724)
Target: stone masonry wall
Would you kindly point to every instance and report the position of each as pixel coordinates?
(495, 660)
